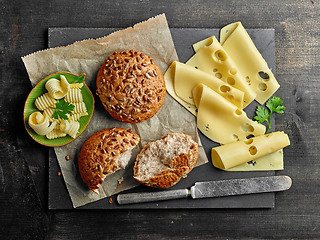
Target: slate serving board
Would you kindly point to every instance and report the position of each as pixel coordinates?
(58, 197)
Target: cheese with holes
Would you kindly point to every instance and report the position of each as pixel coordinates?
(214, 60)
(234, 154)
(205, 42)
(220, 120)
(237, 43)
(187, 77)
(269, 162)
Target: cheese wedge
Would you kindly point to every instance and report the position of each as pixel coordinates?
(220, 120)
(235, 154)
(214, 60)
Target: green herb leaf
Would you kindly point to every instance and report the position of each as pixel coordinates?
(262, 114)
(274, 104)
(62, 109)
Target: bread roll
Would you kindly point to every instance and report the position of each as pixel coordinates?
(131, 86)
(164, 162)
(105, 152)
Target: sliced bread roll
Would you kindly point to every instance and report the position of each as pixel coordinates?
(105, 152)
(164, 162)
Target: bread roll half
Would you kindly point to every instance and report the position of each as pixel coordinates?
(105, 152)
(164, 162)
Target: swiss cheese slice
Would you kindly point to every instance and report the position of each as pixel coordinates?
(214, 60)
(220, 120)
(169, 79)
(270, 162)
(237, 43)
(181, 79)
(237, 153)
(187, 77)
(205, 42)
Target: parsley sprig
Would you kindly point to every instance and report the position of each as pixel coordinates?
(62, 109)
(274, 104)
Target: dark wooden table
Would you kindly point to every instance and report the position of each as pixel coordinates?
(24, 163)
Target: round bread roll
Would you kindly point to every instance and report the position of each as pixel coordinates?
(105, 152)
(164, 162)
(131, 86)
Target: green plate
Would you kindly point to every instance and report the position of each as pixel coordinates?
(39, 89)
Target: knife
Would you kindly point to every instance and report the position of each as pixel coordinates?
(213, 189)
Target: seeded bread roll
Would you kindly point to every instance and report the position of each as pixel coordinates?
(105, 152)
(164, 162)
(131, 86)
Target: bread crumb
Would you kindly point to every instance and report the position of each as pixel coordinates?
(120, 181)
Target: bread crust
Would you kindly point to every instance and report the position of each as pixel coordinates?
(99, 154)
(130, 86)
(175, 169)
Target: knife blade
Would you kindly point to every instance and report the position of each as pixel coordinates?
(213, 189)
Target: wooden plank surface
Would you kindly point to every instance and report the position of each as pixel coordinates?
(24, 166)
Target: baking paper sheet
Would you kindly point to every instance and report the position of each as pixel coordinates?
(151, 37)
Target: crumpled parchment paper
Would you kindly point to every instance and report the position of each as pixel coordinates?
(152, 37)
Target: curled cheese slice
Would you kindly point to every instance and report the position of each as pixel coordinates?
(169, 79)
(70, 127)
(187, 77)
(57, 89)
(234, 154)
(40, 123)
(269, 162)
(214, 60)
(220, 120)
(237, 43)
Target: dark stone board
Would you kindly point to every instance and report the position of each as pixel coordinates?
(58, 197)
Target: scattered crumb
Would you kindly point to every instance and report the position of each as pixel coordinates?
(120, 181)
(67, 157)
(110, 200)
(59, 173)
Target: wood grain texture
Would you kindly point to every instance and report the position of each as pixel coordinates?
(23, 166)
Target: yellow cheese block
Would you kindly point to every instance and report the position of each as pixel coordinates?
(214, 60)
(220, 120)
(234, 154)
(237, 43)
